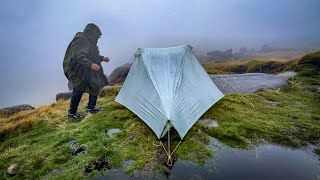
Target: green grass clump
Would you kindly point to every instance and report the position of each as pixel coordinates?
(289, 117)
(37, 141)
(135, 166)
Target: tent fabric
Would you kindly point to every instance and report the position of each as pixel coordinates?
(168, 87)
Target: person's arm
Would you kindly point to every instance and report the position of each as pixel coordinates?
(80, 50)
(101, 58)
(104, 58)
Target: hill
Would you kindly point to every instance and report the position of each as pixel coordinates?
(47, 145)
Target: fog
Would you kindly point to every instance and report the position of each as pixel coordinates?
(35, 34)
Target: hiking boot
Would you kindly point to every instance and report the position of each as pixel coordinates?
(94, 110)
(75, 115)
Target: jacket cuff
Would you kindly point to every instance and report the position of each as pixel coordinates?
(101, 58)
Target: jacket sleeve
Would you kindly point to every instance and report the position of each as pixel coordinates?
(101, 58)
(80, 51)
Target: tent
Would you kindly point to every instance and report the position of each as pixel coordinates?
(168, 87)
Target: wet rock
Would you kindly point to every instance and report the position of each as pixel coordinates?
(64, 95)
(119, 74)
(99, 164)
(208, 122)
(76, 149)
(15, 109)
(249, 82)
(12, 170)
(112, 132)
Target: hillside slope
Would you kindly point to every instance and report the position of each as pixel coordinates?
(39, 140)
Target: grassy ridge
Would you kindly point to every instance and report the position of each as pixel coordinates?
(37, 139)
(248, 66)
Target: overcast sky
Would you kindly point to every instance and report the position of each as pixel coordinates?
(35, 34)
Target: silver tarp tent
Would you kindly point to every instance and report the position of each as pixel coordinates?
(168, 87)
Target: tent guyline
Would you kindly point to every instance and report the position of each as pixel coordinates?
(168, 88)
(169, 155)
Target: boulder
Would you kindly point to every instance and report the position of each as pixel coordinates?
(64, 95)
(14, 109)
(119, 74)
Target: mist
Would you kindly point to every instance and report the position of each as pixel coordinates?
(35, 34)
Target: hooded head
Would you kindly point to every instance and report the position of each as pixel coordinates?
(92, 32)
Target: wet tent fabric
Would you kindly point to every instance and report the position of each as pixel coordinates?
(168, 87)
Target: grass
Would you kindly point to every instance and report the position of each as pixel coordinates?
(37, 140)
(246, 66)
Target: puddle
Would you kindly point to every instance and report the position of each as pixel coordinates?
(112, 131)
(264, 162)
(209, 122)
(118, 173)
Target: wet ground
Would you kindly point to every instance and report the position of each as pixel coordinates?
(266, 161)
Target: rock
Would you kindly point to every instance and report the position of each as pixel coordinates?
(286, 75)
(248, 82)
(15, 109)
(119, 74)
(12, 170)
(112, 132)
(64, 95)
(99, 164)
(76, 149)
(208, 122)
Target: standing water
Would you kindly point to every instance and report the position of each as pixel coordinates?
(264, 162)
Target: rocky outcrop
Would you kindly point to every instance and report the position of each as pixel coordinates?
(15, 109)
(249, 82)
(64, 95)
(119, 74)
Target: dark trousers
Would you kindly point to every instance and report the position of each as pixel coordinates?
(75, 100)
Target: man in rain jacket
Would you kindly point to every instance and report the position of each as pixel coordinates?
(82, 67)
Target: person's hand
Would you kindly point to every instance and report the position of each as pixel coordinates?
(106, 59)
(95, 67)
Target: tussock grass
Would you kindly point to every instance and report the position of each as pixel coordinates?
(41, 149)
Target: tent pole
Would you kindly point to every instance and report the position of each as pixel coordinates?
(169, 162)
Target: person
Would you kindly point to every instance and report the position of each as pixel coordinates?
(82, 67)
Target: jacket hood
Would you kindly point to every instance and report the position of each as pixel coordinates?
(92, 32)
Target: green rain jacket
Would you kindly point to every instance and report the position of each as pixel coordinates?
(80, 54)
